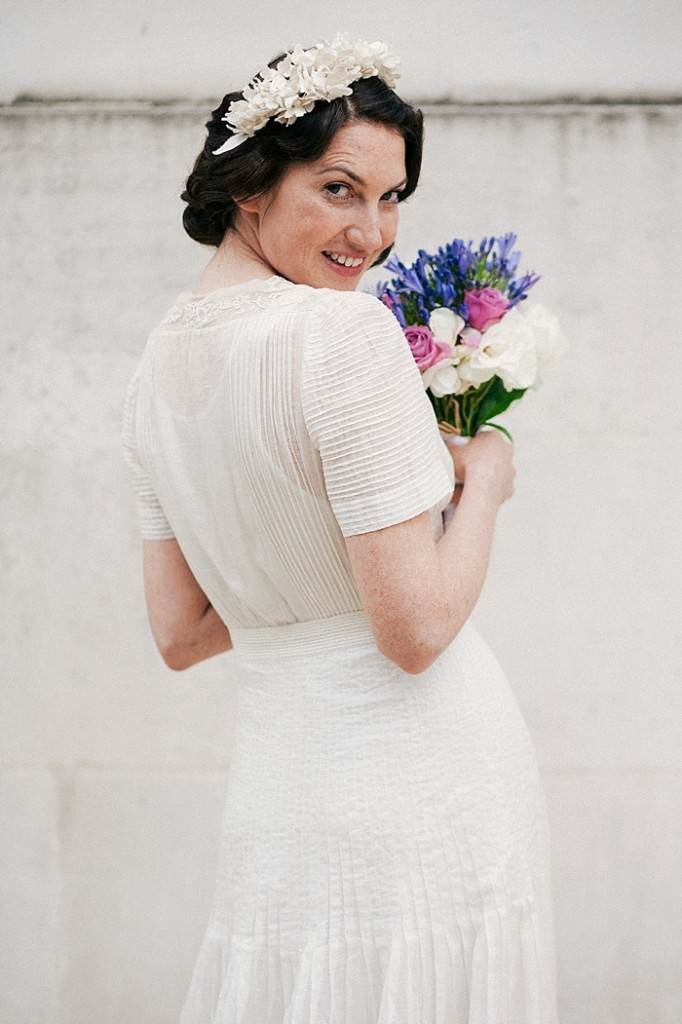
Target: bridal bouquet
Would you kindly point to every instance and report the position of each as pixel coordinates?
(477, 345)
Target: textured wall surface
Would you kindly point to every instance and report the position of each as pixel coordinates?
(482, 50)
(113, 767)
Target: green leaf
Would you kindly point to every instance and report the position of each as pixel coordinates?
(498, 426)
(496, 400)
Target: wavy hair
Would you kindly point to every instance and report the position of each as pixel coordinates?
(259, 163)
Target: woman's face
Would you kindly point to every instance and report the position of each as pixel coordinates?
(344, 203)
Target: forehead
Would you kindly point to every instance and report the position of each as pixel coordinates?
(366, 147)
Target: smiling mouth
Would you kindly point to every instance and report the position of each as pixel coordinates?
(342, 260)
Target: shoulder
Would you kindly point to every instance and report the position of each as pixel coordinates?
(357, 318)
(353, 303)
(356, 344)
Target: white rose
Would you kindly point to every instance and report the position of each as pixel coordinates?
(442, 378)
(507, 350)
(445, 325)
(551, 343)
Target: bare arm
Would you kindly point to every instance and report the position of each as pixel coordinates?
(209, 636)
(463, 557)
(417, 592)
(185, 625)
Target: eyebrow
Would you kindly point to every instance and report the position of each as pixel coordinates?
(351, 174)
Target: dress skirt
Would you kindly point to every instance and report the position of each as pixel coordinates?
(385, 853)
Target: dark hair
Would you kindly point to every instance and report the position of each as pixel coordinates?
(261, 160)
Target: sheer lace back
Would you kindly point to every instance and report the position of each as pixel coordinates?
(270, 420)
(187, 374)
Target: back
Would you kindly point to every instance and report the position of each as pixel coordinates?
(266, 422)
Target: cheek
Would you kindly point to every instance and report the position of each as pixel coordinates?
(315, 215)
(305, 222)
(313, 223)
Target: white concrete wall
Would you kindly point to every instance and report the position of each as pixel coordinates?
(482, 50)
(113, 767)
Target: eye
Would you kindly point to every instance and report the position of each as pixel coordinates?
(340, 184)
(336, 184)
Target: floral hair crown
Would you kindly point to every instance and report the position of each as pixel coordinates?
(323, 72)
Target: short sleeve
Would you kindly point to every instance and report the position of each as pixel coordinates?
(153, 522)
(369, 417)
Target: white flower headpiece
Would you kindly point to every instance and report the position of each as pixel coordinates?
(323, 72)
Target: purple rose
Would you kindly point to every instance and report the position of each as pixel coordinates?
(486, 306)
(426, 349)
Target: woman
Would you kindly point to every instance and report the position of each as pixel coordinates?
(385, 851)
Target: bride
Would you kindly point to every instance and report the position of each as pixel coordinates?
(384, 855)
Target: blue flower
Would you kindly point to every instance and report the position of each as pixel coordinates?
(442, 278)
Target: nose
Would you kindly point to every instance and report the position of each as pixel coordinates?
(366, 235)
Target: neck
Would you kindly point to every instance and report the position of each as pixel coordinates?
(238, 258)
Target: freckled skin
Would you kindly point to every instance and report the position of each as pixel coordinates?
(286, 230)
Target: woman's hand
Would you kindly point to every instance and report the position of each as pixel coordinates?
(486, 463)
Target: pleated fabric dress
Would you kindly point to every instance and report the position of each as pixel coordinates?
(384, 854)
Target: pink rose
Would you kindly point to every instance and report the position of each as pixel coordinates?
(426, 349)
(486, 306)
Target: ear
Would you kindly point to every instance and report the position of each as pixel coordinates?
(252, 205)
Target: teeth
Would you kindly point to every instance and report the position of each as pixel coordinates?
(345, 261)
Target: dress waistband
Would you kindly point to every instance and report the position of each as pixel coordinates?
(298, 637)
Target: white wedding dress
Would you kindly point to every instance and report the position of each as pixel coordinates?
(385, 853)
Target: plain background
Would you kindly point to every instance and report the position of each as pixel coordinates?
(559, 122)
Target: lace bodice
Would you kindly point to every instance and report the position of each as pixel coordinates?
(194, 310)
